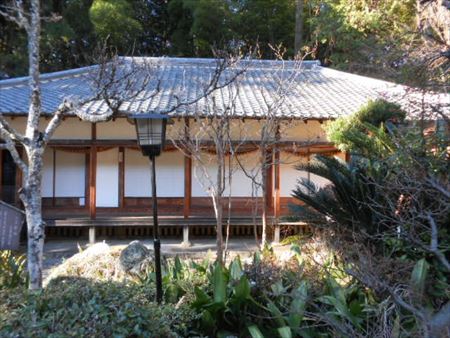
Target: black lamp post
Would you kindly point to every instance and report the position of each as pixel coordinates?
(151, 134)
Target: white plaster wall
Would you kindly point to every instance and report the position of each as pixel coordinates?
(248, 129)
(175, 130)
(202, 181)
(169, 174)
(320, 182)
(70, 174)
(289, 176)
(108, 178)
(119, 129)
(71, 128)
(47, 174)
(241, 185)
(300, 131)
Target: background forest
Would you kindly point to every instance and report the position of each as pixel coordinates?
(387, 39)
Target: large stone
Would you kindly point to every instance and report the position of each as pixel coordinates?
(135, 257)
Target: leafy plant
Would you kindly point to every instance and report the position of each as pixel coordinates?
(256, 301)
(13, 271)
(78, 307)
(341, 202)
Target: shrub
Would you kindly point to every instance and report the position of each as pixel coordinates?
(78, 307)
(364, 132)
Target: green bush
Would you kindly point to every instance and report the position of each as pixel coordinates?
(364, 133)
(78, 307)
(13, 270)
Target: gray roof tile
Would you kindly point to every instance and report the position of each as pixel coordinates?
(312, 92)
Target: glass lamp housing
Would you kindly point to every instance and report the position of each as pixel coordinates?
(151, 132)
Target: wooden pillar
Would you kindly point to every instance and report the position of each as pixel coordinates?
(121, 177)
(308, 158)
(187, 187)
(54, 178)
(347, 157)
(186, 243)
(93, 175)
(276, 195)
(187, 175)
(91, 235)
(277, 179)
(87, 180)
(269, 181)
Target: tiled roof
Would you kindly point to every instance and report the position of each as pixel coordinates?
(309, 90)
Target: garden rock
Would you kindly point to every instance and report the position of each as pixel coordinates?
(135, 257)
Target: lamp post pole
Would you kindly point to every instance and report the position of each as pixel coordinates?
(156, 241)
(151, 135)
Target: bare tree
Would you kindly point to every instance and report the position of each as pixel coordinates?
(34, 141)
(208, 141)
(111, 86)
(284, 79)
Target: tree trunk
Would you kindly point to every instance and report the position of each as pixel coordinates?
(433, 20)
(298, 26)
(264, 199)
(218, 208)
(30, 195)
(31, 191)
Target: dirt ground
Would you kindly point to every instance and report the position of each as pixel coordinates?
(55, 251)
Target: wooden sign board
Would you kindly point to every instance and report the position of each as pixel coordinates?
(11, 221)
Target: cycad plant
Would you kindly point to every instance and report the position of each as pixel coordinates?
(344, 201)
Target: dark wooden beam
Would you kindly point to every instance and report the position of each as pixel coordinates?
(299, 146)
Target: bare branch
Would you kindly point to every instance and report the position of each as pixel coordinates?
(64, 108)
(434, 245)
(438, 187)
(11, 147)
(16, 13)
(13, 134)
